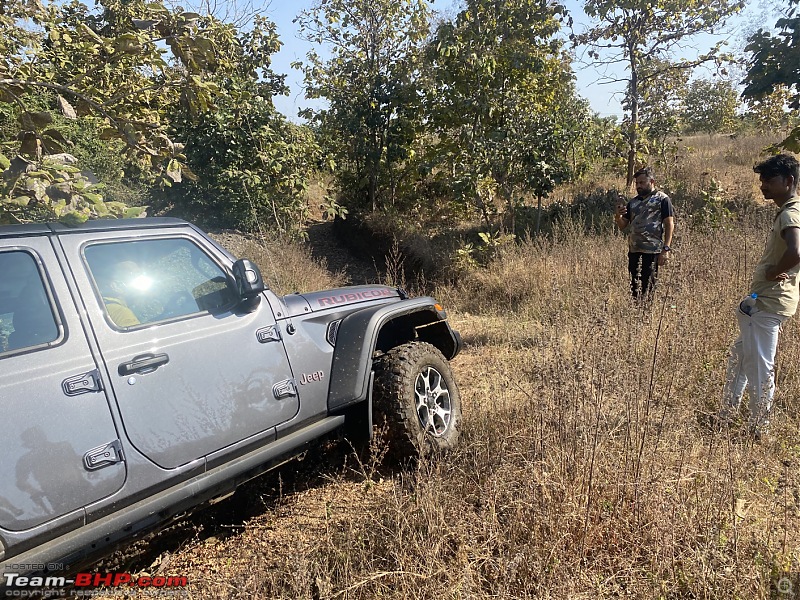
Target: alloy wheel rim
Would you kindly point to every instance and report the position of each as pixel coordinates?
(434, 405)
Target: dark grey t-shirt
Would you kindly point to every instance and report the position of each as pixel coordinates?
(646, 216)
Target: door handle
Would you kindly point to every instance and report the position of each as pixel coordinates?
(145, 363)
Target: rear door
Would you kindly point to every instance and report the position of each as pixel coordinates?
(59, 448)
(190, 374)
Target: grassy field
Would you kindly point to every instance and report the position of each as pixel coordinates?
(584, 472)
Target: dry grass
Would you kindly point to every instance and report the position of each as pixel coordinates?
(592, 407)
(584, 470)
(689, 170)
(287, 266)
(729, 160)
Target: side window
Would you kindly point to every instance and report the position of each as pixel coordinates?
(26, 315)
(148, 281)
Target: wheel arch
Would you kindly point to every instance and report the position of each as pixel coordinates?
(381, 328)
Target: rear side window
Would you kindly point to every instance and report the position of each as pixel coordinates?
(26, 314)
(148, 281)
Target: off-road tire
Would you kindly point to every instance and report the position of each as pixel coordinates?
(414, 383)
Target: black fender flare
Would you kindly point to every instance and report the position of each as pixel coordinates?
(358, 336)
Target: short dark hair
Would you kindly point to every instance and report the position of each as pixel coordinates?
(784, 165)
(648, 171)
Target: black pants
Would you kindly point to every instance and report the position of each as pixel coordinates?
(644, 271)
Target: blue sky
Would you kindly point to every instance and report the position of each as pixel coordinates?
(282, 12)
(604, 98)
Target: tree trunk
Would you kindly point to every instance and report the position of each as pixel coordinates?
(373, 189)
(375, 165)
(538, 213)
(633, 98)
(633, 102)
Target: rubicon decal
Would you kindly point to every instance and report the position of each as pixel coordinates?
(356, 296)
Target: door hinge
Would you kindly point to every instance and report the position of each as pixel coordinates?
(81, 384)
(268, 334)
(102, 456)
(284, 389)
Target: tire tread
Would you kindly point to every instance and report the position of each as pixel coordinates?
(396, 370)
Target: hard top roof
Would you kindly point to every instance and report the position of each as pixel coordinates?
(94, 225)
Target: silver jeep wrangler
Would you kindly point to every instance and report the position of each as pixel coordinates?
(144, 370)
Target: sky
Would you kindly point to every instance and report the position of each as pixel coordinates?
(604, 98)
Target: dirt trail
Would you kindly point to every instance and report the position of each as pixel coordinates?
(326, 247)
(272, 522)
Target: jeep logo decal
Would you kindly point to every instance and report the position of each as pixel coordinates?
(311, 377)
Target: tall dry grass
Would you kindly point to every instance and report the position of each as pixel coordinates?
(588, 425)
(584, 471)
(286, 265)
(688, 168)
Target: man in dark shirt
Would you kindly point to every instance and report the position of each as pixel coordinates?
(651, 222)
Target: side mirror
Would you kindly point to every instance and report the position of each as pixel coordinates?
(248, 279)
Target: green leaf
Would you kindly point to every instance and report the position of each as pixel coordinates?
(93, 198)
(792, 142)
(116, 208)
(144, 24)
(135, 212)
(73, 218)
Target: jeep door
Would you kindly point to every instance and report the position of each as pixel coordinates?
(192, 374)
(57, 421)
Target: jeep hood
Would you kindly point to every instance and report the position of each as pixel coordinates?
(297, 304)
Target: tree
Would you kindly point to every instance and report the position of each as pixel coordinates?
(368, 81)
(711, 106)
(769, 112)
(253, 165)
(775, 62)
(107, 65)
(501, 103)
(662, 106)
(637, 33)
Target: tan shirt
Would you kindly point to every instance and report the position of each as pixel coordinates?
(120, 313)
(778, 297)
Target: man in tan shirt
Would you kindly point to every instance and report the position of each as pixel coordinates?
(115, 297)
(775, 284)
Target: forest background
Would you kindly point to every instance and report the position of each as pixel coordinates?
(457, 153)
(423, 119)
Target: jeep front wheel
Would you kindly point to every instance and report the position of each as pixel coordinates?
(415, 394)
